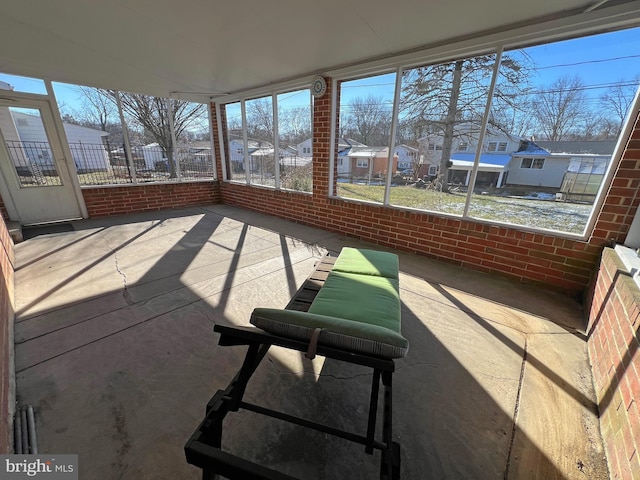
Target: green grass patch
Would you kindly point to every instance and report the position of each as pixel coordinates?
(561, 216)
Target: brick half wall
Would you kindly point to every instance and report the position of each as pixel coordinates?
(542, 258)
(105, 201)
(614, 318)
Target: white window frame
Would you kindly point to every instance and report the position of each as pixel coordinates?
(534, 163)
(362, 163)
(502, 146)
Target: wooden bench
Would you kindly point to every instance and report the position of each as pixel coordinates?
(348, 309)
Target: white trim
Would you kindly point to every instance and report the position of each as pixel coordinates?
(332, 137)
(245, 142)
(66, 150)
(276, 139)
(174, 142)
(392, 140)
(471, 179)
(301, 83)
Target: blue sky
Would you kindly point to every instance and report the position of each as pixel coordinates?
(599, 60)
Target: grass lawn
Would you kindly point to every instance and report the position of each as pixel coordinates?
(565, 217)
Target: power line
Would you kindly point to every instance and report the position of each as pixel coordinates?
(600, 60)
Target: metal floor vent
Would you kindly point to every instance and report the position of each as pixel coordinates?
(24, 429)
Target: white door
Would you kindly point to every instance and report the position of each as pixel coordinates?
(35, 181)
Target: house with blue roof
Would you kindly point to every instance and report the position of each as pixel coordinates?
(494, 159)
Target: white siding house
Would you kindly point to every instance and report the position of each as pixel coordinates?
(86, 145)
(497, 146)
(537, 170)
(305, 149)
(408, 157)
(538, 166)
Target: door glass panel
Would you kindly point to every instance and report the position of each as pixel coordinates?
(28, 147)
(17, 83)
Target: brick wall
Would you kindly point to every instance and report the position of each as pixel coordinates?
(613, 350)
(523, 256)
(7, 392)
(103, 201)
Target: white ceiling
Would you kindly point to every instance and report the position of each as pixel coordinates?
(209, 46)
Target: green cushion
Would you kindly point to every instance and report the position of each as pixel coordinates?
(358, 307)
(339, 333)
(360, 298)
(367, 262)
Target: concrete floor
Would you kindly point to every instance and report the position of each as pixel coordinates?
(115, 351)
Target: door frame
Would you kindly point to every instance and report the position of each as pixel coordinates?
(50, 107)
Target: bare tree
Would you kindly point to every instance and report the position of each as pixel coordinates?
(561, 108)
(436, 98)
(368, 120)
(97, 109)
(617, 99)
(294, 124)
(260, 119)
(151, 113)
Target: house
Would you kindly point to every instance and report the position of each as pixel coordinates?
(496, 150)
(491, 169)
(546, 164)
(236, 152)
(304, 149)
(86, 144)
(369, 162)
(408, 157)
(343, 161)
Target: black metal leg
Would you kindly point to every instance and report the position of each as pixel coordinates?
(204, 448)
(373, 411)
(386, 462)
(255, 354)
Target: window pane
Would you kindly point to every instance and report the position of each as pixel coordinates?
(28, 146)
(235, 143)
(22, 84)
(94, 132)
(441, 108)
(260, 133)
(560, 106)
(194, 140)
(366, 110)
(294, 131)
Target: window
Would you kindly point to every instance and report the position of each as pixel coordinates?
(530, 86)
(535, 163)
(294, 127)
(104, 155)
(365, 119)
(264, 151)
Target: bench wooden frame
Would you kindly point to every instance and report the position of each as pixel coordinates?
(204, 448)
